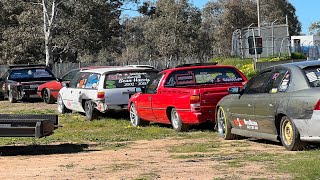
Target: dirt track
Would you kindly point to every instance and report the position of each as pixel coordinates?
(139, 160)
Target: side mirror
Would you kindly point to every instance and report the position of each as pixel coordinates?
(59, 80)
(234, 90)
(65, 84)
(143, 89)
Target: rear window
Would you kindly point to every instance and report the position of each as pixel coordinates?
(128, 79)
(313, 75)
(34, 74)
(203, 76)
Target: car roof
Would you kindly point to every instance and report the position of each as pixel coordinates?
(302, 64)
(116, 68)
(197, 67)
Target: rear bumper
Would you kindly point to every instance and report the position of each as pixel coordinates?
(196, 117)
(309, 129)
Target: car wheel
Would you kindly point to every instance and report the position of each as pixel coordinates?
(290, 136)
(224, 126)
(135, 119)
(47, 97)
(90, 111)
(176, 122)
(61, 107)
(11, 98)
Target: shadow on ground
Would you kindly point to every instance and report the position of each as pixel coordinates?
(43, 149)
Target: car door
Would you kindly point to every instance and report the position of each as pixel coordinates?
(71, 96)
(144, 104)
(243, 108)
(266, 103)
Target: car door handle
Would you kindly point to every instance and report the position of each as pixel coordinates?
(149, 98)
(79, 92)
(249, 105)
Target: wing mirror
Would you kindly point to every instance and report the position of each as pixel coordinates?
(59, 80)
(65, 84)
(234, 90)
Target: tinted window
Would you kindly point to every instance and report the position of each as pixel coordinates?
(203, 76)
(34, 74)
(279, 81)
(153, 85)
(313, 75)
(70, 75)
(128, 79)
(258, 83)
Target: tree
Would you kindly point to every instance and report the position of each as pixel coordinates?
(272, 10)
(314, 28)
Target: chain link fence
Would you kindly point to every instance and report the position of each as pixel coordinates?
(275, 41)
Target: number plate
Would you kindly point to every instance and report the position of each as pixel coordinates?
(33, 86)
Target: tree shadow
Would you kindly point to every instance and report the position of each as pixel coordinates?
(22, 150)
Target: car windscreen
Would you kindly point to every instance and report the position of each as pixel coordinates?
(32, 74)
(203, 76)
(129, 79)
(313, 75)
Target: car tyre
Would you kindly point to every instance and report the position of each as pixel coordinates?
(289, 135)
(224, 126)
(176, 121)
(11, 98)
(135, 118)
(47, 96)
(62, 109)
(90, 111)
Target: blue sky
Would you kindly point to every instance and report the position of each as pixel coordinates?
(306, 10)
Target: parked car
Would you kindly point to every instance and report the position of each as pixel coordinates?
(21, 81)
(184, 96)
(281, 103)
(102, 89)
(49, 91)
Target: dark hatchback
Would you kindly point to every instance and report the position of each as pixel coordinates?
(22, 81)
(281, 103)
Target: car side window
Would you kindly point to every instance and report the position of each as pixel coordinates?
(152, 86)
(278, 81)
(92, 81)
(69, 76)
(79, 80)
(256, 85)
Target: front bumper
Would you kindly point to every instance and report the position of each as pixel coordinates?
(309, 129)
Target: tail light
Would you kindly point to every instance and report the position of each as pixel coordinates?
(317, 106)
(195, 102)
(100, 95)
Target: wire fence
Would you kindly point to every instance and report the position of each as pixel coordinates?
(275, 41)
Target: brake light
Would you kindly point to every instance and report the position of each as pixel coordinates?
(100, 95)
(195, 102)
(317, 106)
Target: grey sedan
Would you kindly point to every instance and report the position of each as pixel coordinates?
(281, 103)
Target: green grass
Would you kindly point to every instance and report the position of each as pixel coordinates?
(107, 132)
(304, 165)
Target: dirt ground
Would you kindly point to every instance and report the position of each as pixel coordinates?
(139, 160)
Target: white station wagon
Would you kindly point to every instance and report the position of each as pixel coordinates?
(103, 89)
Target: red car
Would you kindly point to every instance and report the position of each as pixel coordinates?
(49, 91)
(184, 96)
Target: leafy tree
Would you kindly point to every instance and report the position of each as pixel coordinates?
(314, 28)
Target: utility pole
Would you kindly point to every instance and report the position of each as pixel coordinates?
(258, 14)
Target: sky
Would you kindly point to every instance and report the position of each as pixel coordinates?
(306, 10)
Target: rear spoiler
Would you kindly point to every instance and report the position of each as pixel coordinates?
(197, 64)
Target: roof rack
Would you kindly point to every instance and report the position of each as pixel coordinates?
(26, 65)
(197, 64)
